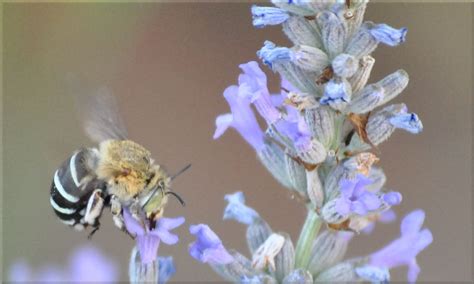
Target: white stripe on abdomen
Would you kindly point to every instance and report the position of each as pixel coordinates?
(61, 190)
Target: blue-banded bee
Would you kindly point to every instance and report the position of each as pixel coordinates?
(119, 173)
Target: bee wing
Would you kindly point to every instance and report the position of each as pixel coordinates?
(98, 111)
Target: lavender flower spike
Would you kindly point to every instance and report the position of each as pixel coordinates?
(242, 119)
(264, 16)
(208, 248)
(149, 241)
(403, 251)
(236, 209)
(388, 35)
(355, 198)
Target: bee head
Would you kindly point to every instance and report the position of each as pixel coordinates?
(153, 202)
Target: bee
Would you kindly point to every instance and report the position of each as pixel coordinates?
(118, 173)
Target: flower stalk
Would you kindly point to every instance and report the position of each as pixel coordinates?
(309, 232)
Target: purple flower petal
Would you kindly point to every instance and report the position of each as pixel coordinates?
(359, 208)
(413, 271)
(133, 226)
(388, 35)
(254, 76)
(412, 223)
(148, 247)
(346, 187)
(253, 85)
(403, 251)
(243, 118)
(343, 206)
(370, 200)
(164, 225)
(20, 272)
(223, 122)
(236, 209)
(217, 255)
(392, 198)
(89, 264)
(208, 247)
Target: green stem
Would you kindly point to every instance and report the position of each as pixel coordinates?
(308, 233)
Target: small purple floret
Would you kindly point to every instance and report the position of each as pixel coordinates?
(355, 198)
(403, 251)
(208, 247)
(148, 241)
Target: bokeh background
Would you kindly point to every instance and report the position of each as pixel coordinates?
(168, 65)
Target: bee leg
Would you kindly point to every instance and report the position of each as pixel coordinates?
(135, 211)
(115, 206)
(116, 209)
(94, 208)
(96, 228)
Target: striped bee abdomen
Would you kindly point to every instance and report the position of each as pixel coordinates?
(73, 184)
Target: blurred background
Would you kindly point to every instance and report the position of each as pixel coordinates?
(168, 65)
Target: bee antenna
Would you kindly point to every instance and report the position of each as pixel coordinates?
(181, 171)
(177, 197)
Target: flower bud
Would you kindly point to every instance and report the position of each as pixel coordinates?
(320, 122)
(315, 188)
(342, 272)
(285, 259)
(379, 127)
(330, 213)
(234, 271)
(270, 53)
(360, 78)
(297, 7)
(264, 256)
(393, 84)
(296, 174)
(301, 31)
(366, 100)
(333, 32)
(264, 16)
(310, 58)
(362, 43)
(257, 233)
(312, 152)
(345, 65)
(388, 35)
(337, 94)
(272, 157)
(328, 249)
